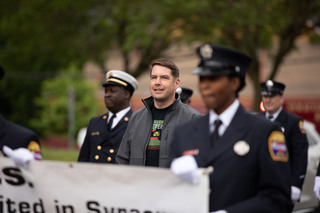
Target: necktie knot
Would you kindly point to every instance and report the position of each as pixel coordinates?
(270, 117)
(109, 125)
(217, 123)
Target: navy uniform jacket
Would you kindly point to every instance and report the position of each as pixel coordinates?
(16, 136)
(101, 145)
(254, 180)
(297, 143)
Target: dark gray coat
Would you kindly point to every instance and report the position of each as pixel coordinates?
(133, 146)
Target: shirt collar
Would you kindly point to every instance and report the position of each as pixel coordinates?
(275, 115)
(119, 115)
(226, 116)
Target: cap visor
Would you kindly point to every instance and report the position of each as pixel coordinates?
(111, 83)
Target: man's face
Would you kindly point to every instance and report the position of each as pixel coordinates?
(163, 85)
(218, 92)
(272, 103)
(116, 98)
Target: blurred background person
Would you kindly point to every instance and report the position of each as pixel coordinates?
(185, 95)
(316, 187)
(294, 132)
(104, 133)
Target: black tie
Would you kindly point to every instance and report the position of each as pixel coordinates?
(215, 135)
(111, 121)
(270, 117)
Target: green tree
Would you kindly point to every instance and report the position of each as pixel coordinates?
(38, 37)
(252, 26)
(52, 118)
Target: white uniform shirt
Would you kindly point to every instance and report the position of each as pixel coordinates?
(226, 117)
(119, 115)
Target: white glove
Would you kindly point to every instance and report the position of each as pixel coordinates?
(295, 194)
(186, 168)
(220, 211)
(316, 187)
(20, 156)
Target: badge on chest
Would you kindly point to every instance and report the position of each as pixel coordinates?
(241, 148)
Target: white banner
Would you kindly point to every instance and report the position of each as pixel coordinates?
(61, 187)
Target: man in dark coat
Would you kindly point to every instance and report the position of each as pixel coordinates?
(248, 154)
(104, 133)
(294, 132)
(16, 136)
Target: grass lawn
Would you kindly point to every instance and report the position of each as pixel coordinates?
(70, 155)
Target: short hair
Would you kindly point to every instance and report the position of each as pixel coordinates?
(166, 63)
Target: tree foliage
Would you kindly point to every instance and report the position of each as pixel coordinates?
(39, 37)
(52, 118)
(252, 26)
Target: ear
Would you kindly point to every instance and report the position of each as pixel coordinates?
(282, 100)
(235, 83)
(127, 94)
(177, 83)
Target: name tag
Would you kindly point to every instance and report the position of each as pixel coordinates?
(94, 133)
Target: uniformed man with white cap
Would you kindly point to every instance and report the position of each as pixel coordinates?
(104, 133)
(248, 154)
(294, 132)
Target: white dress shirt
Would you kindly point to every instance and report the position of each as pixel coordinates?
(226, 117)
(119, 115)
(274, 115)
